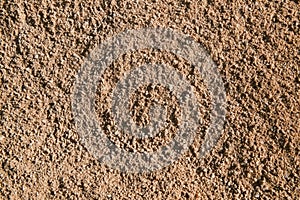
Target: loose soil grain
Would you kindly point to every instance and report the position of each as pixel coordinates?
(255, 46)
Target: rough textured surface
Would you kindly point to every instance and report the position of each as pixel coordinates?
(143, 97)
(256, 47)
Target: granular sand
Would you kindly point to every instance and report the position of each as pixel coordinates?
(255, 45)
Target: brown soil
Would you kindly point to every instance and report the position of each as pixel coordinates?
(255, 45)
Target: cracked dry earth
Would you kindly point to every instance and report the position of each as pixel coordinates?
(255, 46)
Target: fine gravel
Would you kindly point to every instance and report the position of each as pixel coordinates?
(255, 45)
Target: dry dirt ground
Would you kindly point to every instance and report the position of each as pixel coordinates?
(255, 45)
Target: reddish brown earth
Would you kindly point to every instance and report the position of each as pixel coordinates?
(255, 46)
